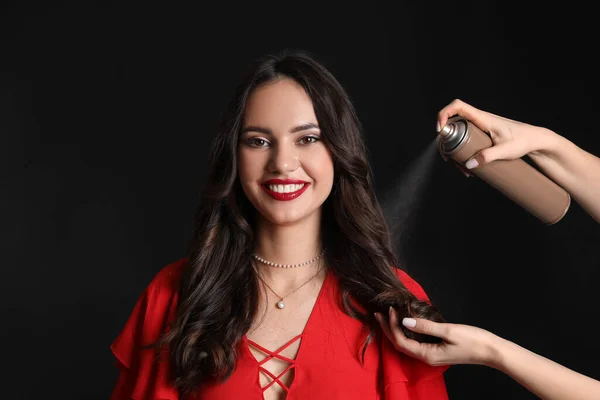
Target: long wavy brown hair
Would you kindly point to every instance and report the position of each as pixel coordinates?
(218, 293)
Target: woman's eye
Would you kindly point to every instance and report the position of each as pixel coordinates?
(309, 140)
(258, 142)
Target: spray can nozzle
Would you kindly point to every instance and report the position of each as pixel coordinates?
(452, 135)
(449, 138)
(447, 130)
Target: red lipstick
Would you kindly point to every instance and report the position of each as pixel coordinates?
(284, 196)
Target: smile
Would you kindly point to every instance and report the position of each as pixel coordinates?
(284, 189)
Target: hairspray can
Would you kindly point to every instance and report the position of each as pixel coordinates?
(460, 140)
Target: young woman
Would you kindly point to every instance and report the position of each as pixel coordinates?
(289, 260)
(290, 268)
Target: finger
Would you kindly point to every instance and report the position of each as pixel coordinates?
(404, 344)
(459, 107)
(427, 327)
(463, 169)
(486, 156)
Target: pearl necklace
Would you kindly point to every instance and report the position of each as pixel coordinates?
(272, 264)
(280, 304)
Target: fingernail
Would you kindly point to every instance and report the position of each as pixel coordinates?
(438, 127)
(376, 316)
(409, 322)
(390, 310)
(472, 163)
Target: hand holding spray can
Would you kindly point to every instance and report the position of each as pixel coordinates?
(460, 139)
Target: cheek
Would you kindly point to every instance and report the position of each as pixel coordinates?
(321, 167)
(246, 168)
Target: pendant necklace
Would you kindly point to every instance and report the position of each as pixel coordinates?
(280, 304)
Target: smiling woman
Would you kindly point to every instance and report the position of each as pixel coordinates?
(282, 157)
(289, 260)
(282, 189)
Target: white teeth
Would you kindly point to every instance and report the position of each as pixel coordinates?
(286, 188)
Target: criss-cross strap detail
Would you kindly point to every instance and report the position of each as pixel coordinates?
(275, 354)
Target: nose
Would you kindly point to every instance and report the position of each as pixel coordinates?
(284, 158)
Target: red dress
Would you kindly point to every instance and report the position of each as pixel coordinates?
(326, 367)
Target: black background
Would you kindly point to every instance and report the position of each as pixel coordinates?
(107, 111)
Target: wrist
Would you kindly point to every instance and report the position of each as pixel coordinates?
(549, 144)
(496, 349)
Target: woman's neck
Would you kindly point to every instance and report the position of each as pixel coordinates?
(289, 244)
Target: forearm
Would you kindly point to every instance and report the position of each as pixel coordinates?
(543, 377)
(573, 168)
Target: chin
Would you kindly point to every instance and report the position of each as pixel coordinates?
(284, 218)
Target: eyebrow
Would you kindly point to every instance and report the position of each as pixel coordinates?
(267, 131)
